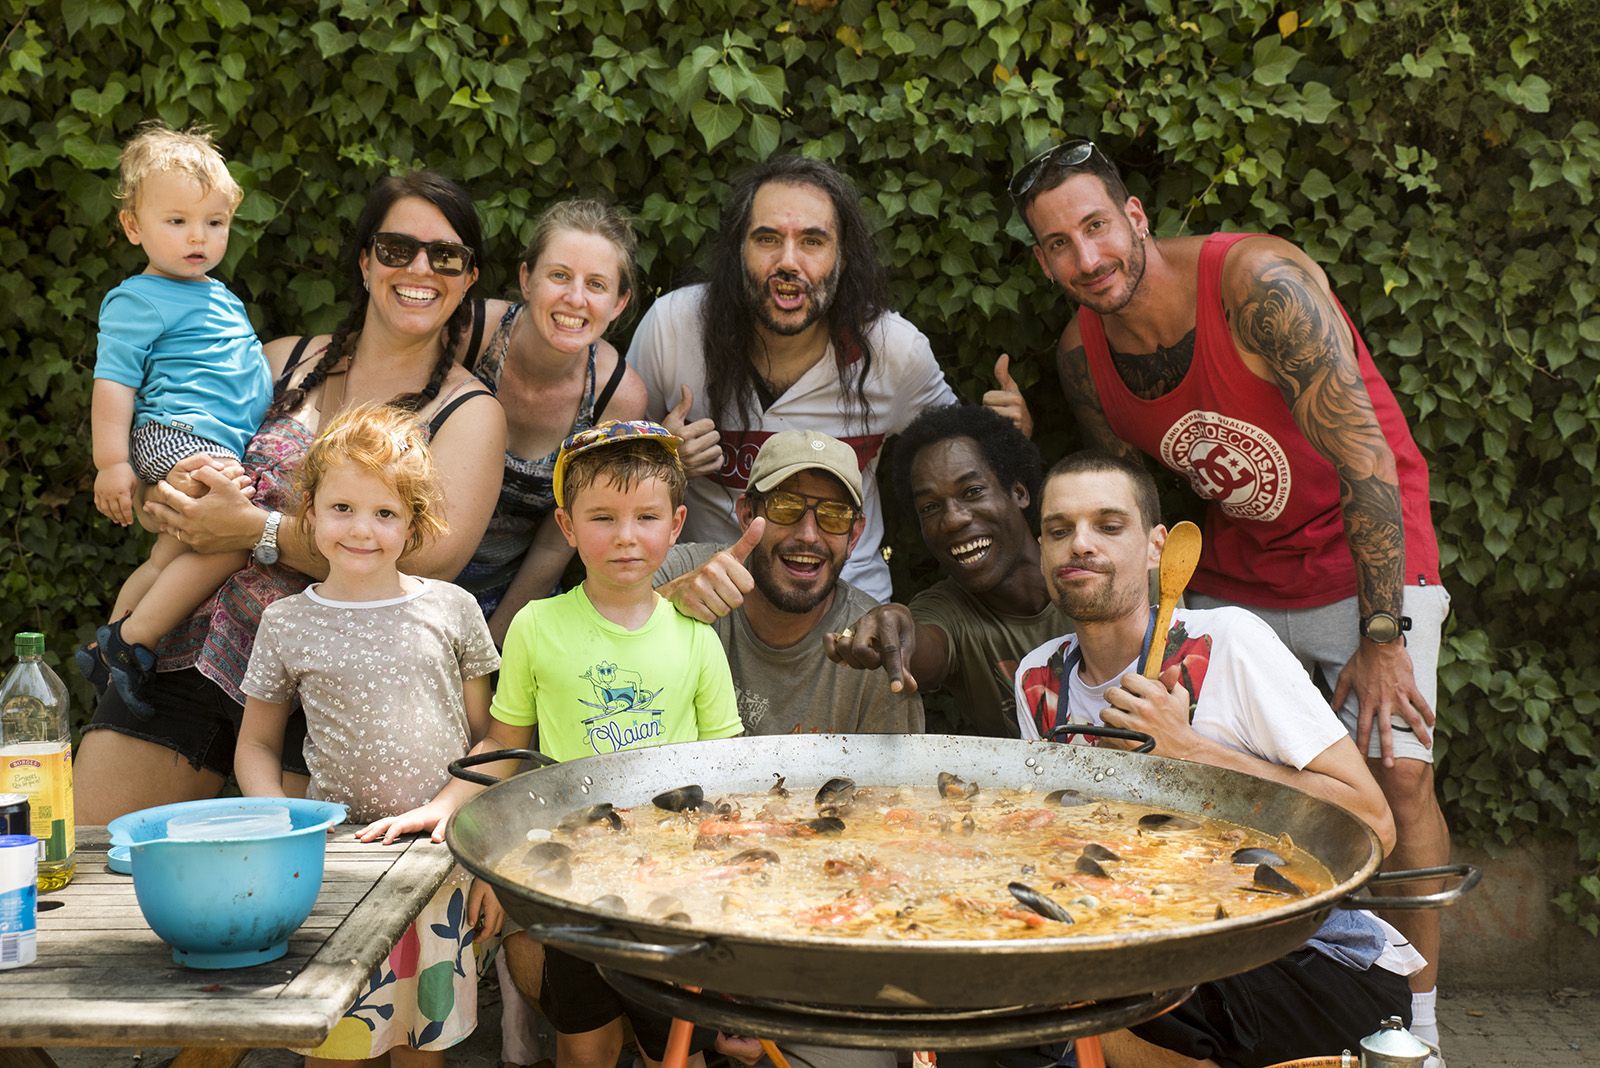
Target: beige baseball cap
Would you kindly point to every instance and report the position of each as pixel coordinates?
(789, 452)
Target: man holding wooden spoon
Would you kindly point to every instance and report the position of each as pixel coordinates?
(1228, 694)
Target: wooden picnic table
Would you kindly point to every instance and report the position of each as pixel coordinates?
(103, 978)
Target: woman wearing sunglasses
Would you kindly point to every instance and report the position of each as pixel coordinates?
(555, 377)
(412, 258)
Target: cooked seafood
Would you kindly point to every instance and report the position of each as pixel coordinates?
(943, 861)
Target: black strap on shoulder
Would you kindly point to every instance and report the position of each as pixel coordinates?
(480, 315)
(296, 354)
(1075, 657)
(612, 383)
(442, 414)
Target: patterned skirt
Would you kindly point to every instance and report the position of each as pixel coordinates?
(424, 994)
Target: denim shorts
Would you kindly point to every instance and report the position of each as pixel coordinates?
(196, 718)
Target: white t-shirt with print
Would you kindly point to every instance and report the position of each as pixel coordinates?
(1254, 696)
(668, 352)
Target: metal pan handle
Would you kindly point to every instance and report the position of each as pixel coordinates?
(1146, 743)
(578, 938)
(458, 767)
(1469, 874)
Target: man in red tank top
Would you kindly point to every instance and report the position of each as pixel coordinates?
(1228, 359)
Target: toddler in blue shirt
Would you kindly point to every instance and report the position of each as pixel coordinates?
(179, 373)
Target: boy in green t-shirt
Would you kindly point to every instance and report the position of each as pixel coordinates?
(608, 666)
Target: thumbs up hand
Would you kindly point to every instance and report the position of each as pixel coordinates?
(1008, 400)
(701, 451)
(717, 586)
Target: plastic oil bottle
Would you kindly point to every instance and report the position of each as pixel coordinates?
(36, 756)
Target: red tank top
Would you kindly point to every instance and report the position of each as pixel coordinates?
(1274, 533)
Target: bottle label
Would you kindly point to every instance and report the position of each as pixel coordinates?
(43, 771)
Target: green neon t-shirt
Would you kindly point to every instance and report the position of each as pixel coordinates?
(592, 687)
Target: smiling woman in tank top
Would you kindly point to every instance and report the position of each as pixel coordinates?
(554, 376)
(411, 260)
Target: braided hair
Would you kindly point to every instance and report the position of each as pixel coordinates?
(455, 205)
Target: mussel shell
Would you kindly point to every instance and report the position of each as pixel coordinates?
(1165, 821)
(765, 856)
(556, 875)
(955, 787)
(663, 905)
(605, 813)
(1087, 865)
(825, 824)
(1096, 851)
(609, 903)
(837, 791)
(681, 799)
(1257, 855)
(546, 853)
(1268, 879)
(1035, 901)
(1066, 796)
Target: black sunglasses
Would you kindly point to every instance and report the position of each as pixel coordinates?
(398, 250)
(1062, 157)
(786, 509)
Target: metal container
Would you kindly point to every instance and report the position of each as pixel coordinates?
(15, 816)
(1392, 1046)
(945, 973)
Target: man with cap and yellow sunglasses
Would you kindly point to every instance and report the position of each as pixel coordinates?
(775, 593)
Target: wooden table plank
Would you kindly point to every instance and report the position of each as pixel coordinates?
(104, 979)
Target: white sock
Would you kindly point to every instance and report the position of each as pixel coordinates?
(1423, 1022)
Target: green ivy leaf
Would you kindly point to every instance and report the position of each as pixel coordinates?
(716, 122)
(1273, 61)
(1316, 186)
(764, 132)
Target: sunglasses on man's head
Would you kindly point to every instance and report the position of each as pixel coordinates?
(1062, 157)
(398, 250)
(786, 509)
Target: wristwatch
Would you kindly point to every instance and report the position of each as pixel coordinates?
(1383, 628)
(266, 550)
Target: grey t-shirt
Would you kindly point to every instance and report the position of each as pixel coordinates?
(798, 689)
(985, 647)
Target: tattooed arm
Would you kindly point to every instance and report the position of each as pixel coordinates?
(1282, 315)
(1077, 384)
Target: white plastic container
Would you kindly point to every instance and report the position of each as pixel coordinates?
(19, 899)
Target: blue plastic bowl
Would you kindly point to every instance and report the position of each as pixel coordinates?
(228, 903)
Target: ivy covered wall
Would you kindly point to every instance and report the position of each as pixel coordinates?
(1438, 158)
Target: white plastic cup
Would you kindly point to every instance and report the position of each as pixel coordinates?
(19, 900)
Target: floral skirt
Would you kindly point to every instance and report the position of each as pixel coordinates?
(424, 994)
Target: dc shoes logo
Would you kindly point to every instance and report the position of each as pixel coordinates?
(1236, 464)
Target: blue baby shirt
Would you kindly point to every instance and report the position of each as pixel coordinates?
(191, 355)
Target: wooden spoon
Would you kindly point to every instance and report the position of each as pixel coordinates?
(1178, 558)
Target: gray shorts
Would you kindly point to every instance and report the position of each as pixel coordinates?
(1324, 638)
(154, 447)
